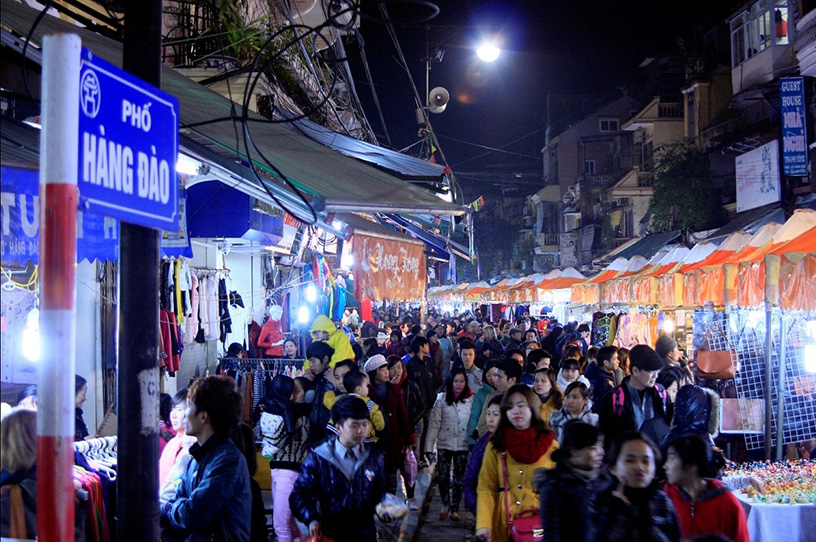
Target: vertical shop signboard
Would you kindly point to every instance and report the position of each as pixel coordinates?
(794, 129)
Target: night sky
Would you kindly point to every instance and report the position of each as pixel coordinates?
(549, 47)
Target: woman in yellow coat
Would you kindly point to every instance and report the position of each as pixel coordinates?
(527, 443)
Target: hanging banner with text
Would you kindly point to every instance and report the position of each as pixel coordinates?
(794, 127)
(387, 269)
(97, 235)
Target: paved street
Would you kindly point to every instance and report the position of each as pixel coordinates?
(422, 525)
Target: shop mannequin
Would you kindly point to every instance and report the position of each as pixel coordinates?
(271, 340)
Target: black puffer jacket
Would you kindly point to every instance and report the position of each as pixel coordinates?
(564, 502)
(696, 412)
(648, 517)
(345, 508)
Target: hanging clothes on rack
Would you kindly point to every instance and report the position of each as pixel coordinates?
(224, 319)
(211, 330)
(95, 472)
(239, 324)
(193, 322)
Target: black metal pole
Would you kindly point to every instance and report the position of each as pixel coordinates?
(138, 406)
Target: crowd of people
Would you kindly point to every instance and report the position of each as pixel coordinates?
(525, 421)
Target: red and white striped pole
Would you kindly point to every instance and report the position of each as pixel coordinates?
(58, 213)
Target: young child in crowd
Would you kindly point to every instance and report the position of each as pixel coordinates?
(339, 372)
(576, 407)
(356, 384)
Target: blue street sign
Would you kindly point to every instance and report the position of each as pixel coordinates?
(128, 146)
(794, 130)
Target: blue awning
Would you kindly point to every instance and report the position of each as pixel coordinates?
(436, 243)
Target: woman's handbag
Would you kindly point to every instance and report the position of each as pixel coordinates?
(716, 364)
(527, 525)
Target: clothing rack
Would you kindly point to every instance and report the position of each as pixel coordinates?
(207, 272)
(270, 364)
(97, 448)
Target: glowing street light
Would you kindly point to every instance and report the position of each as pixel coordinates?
(488, 52)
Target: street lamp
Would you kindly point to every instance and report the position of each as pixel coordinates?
(436, 99)
(488, 52)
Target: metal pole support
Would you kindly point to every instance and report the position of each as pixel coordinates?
(59, 144)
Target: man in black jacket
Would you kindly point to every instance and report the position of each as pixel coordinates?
(342, 480)
(420, 370)
(638, 399)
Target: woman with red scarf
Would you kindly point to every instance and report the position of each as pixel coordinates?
(526, 443)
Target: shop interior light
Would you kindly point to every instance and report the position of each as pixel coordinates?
(337, 225)
(31, 337)
(668, 326)
(346, 260)
(187, 165)
(311, 293)
(303, 314)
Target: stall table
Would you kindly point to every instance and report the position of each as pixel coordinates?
(779, 522)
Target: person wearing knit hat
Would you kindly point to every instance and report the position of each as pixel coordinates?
(667, 348)
(644, 358)
(375, 362)
(638, 399)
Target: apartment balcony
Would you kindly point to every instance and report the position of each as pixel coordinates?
(673, 110)
(595, 180)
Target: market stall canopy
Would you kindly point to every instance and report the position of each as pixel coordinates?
(732, 244)
(669, 261)
(797, 272)
(610, 272)
(800, 222)
(619, 288)
(478, 288)
(762, 236)
(346, 184)
(634, 266)
(565, 278)
(697, 254)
